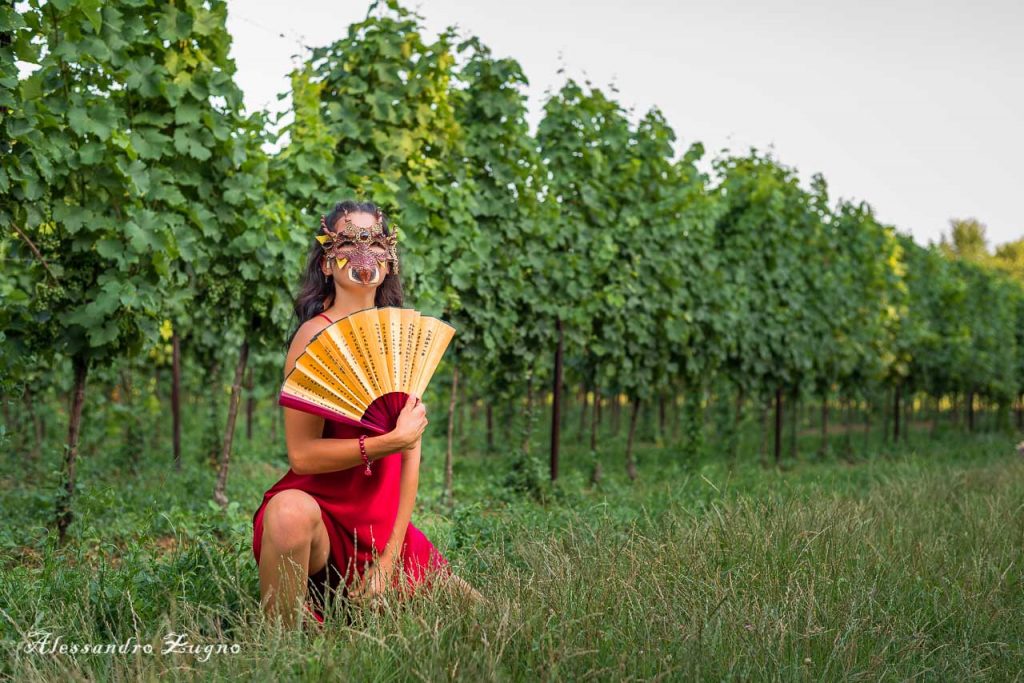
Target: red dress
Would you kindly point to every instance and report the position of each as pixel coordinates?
(359, 512)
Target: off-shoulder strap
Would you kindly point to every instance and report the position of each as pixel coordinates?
(326, 318)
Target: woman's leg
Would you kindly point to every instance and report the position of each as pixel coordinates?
(294, 545)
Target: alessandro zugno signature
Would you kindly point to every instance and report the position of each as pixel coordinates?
(45, 643)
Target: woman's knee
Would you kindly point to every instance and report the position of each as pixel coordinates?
(290, 519)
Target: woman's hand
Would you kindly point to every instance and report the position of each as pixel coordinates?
(410, 424)
(374, 580)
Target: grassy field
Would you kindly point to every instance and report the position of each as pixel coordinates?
(902, 564)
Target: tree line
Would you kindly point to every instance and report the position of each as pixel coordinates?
(149, 233)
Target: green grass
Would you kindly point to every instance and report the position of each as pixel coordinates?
(903, 565)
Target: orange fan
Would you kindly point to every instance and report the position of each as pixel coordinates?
(360, 369)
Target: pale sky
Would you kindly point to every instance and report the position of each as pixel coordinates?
(916, 107)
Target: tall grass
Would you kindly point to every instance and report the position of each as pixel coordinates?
(904, 565)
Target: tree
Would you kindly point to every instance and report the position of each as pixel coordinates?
(584, 137)
(1009, 258)
(770, 239)
(966, 240)
(506, 279)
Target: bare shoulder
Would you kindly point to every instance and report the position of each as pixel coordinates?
(303, 336)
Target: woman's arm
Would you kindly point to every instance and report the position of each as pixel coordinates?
(407, 488)
(310, 453)
(375, 580)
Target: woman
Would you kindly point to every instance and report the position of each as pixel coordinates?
(326, 528)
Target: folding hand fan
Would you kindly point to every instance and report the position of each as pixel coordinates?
(360, 369)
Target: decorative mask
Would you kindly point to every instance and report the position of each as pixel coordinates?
(352, 245)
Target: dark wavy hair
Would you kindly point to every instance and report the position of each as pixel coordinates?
(316, 294)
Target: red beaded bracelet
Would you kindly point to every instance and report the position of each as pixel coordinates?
(362, 452)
